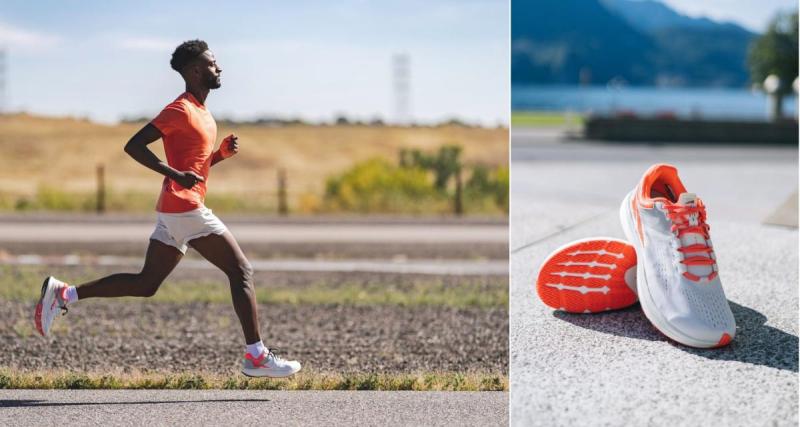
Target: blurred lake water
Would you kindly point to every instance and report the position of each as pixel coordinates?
(714, 103)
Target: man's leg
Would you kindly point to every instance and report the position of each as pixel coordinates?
(160, 260)
(223, 251)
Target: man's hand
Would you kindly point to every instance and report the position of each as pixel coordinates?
(188, 179)
(229, 146)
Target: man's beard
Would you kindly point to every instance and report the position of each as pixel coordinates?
(213, 82)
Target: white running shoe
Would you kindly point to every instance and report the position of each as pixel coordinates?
(52, 301)
(268, 365)
(677, 277)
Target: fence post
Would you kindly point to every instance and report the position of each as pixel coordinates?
(101, 189)
(458, 207)
(283, 207)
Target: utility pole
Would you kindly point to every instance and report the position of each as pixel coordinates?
(3, 64)
(401, 82)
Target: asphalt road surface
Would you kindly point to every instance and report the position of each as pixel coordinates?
(398, 266)
(250, 408)
(285, 238)
(53, 230)
(615, 368)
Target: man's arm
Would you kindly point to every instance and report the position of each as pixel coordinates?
(216, 157)
(137, 148)
(228, 147)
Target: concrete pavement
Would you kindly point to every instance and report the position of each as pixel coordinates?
(615, 368)
(249, 408)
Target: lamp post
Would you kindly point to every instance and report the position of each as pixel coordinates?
(774, 89)
(796, 87)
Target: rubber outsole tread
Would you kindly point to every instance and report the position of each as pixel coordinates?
(588, 276)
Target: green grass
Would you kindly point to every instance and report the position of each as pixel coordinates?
(19, 283)
(305, 380)
(544, 119)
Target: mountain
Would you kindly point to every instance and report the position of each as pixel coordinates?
(695, 49)
(638, 42)
(555, 41)
(648, 15)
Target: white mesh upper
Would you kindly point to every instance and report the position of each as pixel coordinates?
(708, 303)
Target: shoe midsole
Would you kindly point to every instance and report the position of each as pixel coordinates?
(255, 372)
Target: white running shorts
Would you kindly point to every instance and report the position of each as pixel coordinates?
(177, 229)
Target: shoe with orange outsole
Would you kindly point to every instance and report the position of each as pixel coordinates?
(589, 276)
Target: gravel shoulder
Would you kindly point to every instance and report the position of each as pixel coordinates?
(106, 335)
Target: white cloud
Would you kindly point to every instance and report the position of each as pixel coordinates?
(20, 38)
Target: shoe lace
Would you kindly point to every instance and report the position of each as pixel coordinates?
(692, 219)
(275, 357)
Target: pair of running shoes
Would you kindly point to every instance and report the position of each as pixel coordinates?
(667, 264)
(54, 299)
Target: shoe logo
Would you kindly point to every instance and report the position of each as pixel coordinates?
(582, 289)
(258, 362)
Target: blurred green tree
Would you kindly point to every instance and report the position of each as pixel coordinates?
(444, 164)
(775, 54)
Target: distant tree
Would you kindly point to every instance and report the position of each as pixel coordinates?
(444, 164)
(775, 53)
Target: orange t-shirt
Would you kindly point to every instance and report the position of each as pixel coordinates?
(188, 132)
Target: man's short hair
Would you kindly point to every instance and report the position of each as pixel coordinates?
(186, 53)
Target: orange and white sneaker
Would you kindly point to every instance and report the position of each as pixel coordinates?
(589, 276)
(52, 300)
(269, 365)
(677, 276)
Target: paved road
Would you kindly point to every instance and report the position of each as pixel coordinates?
(614, 368)
(100, 232)
(451, 267)
(250, 408)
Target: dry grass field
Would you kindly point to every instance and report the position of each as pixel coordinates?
(58, 156)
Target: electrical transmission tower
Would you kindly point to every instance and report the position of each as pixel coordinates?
(401, 81)
(3, 96)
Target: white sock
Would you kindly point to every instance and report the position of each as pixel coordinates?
(255, 349)
(71, 294)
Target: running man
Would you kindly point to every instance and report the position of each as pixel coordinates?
(188, 132)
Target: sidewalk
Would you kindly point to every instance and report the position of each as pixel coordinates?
(615, 368)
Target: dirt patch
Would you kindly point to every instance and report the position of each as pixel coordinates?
(147, 336)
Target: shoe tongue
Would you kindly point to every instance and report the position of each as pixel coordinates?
(687, 199)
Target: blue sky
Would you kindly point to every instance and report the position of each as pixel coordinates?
(751, 14)
(313, 59)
